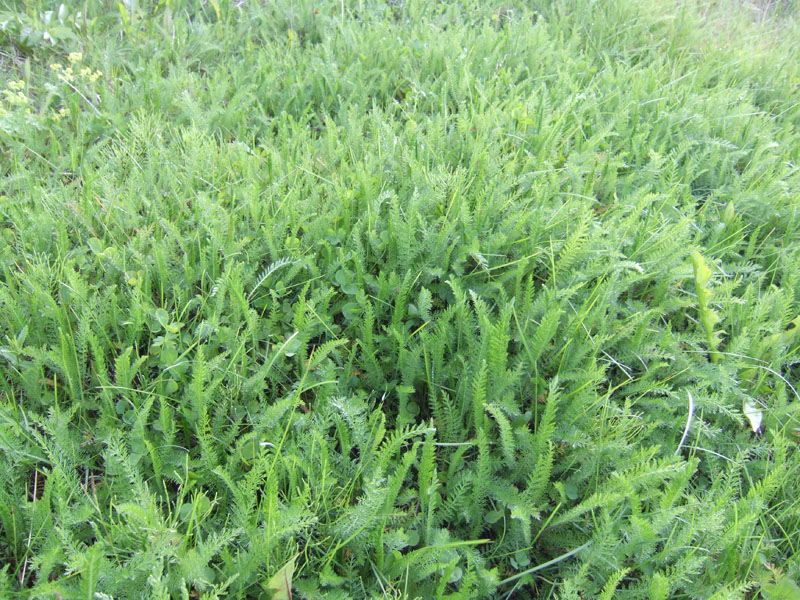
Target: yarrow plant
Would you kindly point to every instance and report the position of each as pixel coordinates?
(374, 299)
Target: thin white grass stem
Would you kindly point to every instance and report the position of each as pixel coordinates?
(688, 422)
(544, 565)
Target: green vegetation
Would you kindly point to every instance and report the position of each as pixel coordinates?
(410, 299)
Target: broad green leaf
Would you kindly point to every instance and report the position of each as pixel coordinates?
(281, 582)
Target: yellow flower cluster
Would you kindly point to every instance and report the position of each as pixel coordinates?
(14, 94)
(57, 116)
(15, 100)
(65, 75)
(92, 76)
(68, 74)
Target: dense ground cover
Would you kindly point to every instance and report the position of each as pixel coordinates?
(399, 300)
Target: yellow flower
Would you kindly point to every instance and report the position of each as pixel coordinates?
(66, 76)
(56, 66)
(16, 85)
(15, 98)
(95, 76)
(57, 116)
(75, 57)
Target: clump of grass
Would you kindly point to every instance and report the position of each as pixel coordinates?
(356, 300)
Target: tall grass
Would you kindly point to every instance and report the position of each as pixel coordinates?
(399, 300)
